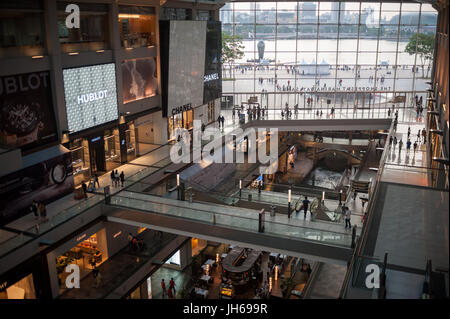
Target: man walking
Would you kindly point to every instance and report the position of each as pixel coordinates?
(400, 145)
(163, 287)
(96, 182)
(113, 178)
(122, 178)
(84, 187)
(347, 217)
(305, 205)
(408, 145)
(172, 285)
(34, 209)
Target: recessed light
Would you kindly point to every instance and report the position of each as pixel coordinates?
(73, 53)
(100, 51)
(37, 56)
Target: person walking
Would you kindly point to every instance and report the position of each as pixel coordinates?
(172, 285)
(408, 145)
(163, 287)
(96, 182)
(409, 131)
(122, 178)
(223, 121)
(43, 211)
(113, 178)
(347, 217)
(84, 187)
(169, 293)
(219, 120)
(424, 134)
(305, 205)
(400, 145)
(130, 240)
(395, 141)
(116, 178)
(390, 140)
(34, 209)
(97, 277)
(415, 146)
(233, 114)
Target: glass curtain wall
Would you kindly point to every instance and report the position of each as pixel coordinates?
(322, 54)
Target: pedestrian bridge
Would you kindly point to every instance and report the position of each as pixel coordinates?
(322, 241)
(321, 125)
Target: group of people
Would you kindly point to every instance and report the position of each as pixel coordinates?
(134, 243)
(171, 292)
(39, 210)
(116, 178)
(221, 121)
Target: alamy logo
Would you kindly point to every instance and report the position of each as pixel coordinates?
(252, 142)
(73, 279)
(373, 277)
(73, 19)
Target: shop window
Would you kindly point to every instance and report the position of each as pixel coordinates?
(210, 112)
(79, 149)
(112, 149)
(93, 32)
(22, 30)
(204, 15)
(137, 26)
(86, 255)
(23, 289)
(176, 14)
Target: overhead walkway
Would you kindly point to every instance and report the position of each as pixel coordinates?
(328, 242)
(322, 125)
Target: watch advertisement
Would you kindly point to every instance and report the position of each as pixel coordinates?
(44, 182)
(26, 110)
(91, 97)
(139, 79)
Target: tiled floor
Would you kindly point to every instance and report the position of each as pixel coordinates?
(414, 227)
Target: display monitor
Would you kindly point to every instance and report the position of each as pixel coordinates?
(91, 97)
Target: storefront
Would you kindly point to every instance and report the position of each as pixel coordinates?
(89, 252)
(22, 289)
(27, 280)
(137, 26)
(180, 119)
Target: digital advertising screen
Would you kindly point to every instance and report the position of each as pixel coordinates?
(212, 82)
(139, 79)
(186, 64)
(91, 97)
(26, 110)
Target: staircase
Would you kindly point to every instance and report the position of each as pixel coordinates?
(360, 186)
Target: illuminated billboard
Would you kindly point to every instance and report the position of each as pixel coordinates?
(91, 97)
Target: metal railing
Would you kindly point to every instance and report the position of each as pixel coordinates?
(354, 265)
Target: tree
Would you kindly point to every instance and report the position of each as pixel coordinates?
(232, 49)
(423, 44)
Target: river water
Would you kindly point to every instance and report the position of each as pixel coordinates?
(327, 48)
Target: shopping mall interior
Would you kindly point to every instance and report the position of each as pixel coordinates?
(224, 149)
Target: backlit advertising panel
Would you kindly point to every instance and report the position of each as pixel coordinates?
(91, 97)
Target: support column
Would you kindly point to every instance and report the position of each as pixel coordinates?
(186, 255)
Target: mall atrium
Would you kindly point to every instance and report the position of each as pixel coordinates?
(224, 149)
